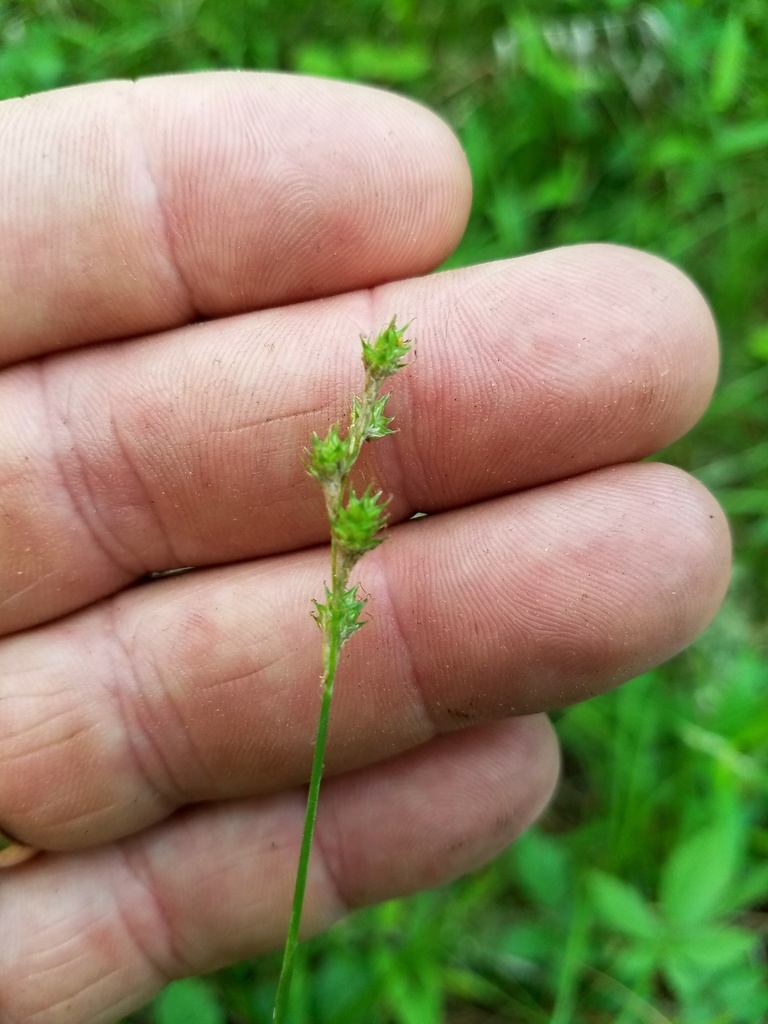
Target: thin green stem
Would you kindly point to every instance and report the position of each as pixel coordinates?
(332, 648)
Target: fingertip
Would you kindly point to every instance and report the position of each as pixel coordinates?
(452, 804)
(135, 207)
(280, 188)
(668, 306)
(698, 538)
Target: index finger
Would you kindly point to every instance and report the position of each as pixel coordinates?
(133, 207)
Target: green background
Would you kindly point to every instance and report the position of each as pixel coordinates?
(642, 897)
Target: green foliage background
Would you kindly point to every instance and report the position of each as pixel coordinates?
(643, 896)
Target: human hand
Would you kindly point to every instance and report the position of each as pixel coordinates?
(153, 738)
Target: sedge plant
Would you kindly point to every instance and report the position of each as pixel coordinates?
(356, 521)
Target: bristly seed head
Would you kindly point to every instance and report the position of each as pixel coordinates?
(378, 423)
(355, 520)
(328, 457)
(357, 523)
(384, 356)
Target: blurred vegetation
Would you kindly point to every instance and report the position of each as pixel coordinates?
(643, 896)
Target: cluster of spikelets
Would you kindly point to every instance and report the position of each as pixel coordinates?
(355, 519)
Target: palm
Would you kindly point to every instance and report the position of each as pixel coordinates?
(153, 736)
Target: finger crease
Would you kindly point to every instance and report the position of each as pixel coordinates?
(169, 964)
(76, 484)
(163, 215)
(406, 668)
(122, 690)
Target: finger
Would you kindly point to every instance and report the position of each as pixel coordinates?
(205, 686)
(13, 853)
(132, 207)
(187, 449)
(213, 885)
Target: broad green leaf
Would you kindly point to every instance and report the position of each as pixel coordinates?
(711, 743)
(622, 908)
(694, 965)
(318, 58)
(415, 1002)
(729, 63)
(636, 964)
(716, 948)
(543, 869)
(743, 990)
(386, 63)
(684, 977)
(741, 139)
(757, 343)
(744, 501)
(672, 149)
(190, 1001)
(562, 186)
(528, 940)
(750, 889)
(699, 872)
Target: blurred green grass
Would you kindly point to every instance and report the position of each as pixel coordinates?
(643, 896)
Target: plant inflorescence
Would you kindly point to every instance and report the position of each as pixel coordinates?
(356, 521)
